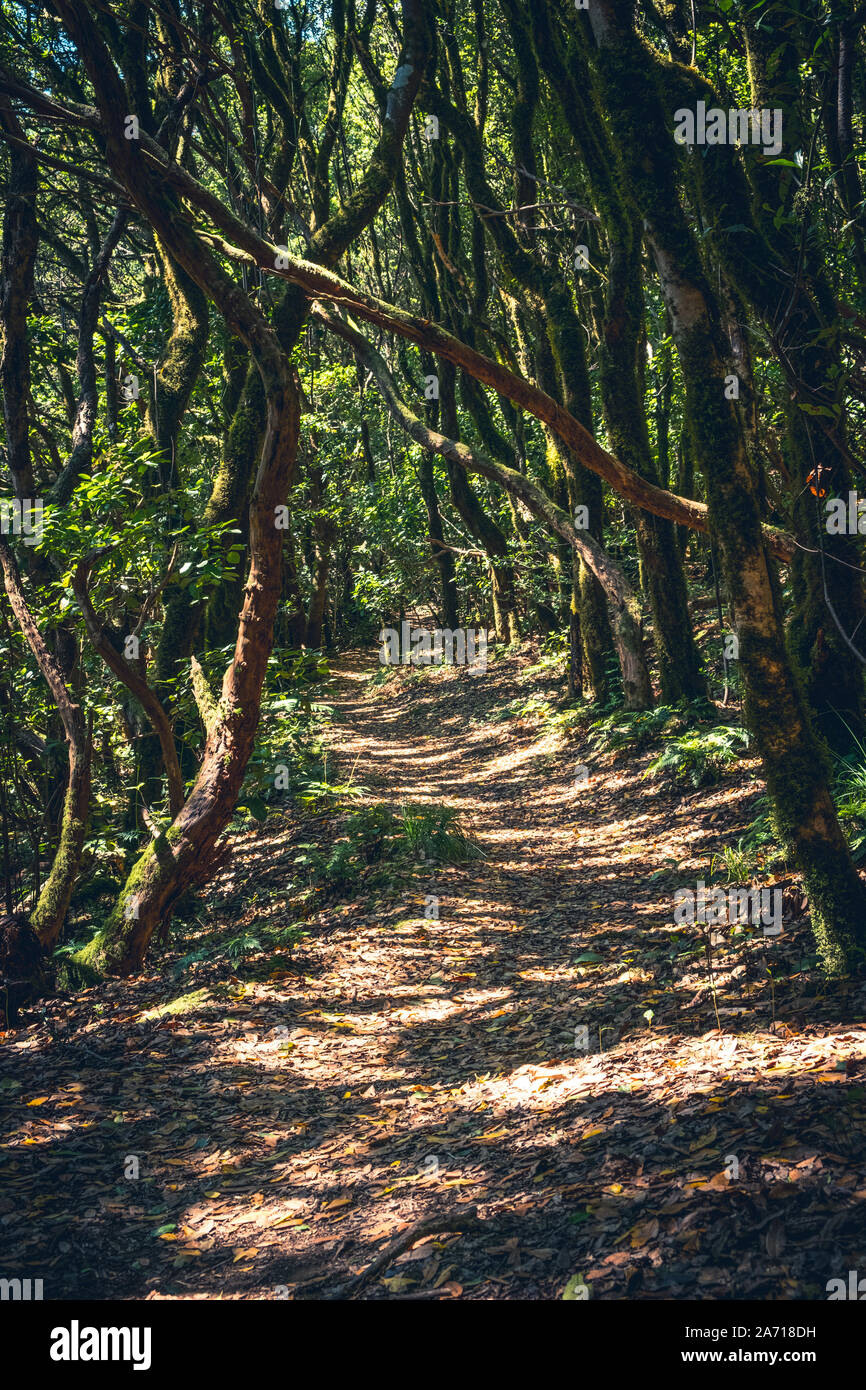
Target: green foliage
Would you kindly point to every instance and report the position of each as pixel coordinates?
(355, 493)
(700, 757)
(366, 834)
(241, 945)
(850, 792)
(287, 737)
(436, 832)
(631, 728)
(762, 836)
(378, 837)
(258, 937)
(739, 864)
(552, 656)
(523, 707)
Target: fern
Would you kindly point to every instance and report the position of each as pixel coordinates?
(625, 728)
(700, 757)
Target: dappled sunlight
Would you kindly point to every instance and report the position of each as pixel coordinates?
(544, 1046)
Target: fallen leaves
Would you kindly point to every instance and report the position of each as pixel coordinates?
(595, 1167)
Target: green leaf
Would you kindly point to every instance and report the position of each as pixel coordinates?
(575, 1291)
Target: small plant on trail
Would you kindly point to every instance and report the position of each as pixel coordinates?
(553, 654)
(367, 832)
(637, 728)
(436, 832)
(629, 729)
(380, 677)
(762, 836)
(523, 707)
(377, 837)
(739, 865)
(238, 946)
(700, 757)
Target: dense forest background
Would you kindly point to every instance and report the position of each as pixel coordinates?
(541, 321)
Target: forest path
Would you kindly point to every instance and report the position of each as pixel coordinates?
(288, 1125)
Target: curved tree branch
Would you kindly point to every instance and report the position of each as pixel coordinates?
(625, 610)
(128, 676)
(247, 245)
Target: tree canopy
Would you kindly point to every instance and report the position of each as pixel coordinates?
(471, 328)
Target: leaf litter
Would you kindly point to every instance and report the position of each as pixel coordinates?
(543, 1064)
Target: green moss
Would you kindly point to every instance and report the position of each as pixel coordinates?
(56, 892)
(776, 711)
(181, 362)
(183, 1004)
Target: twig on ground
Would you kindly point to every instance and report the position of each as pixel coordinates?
(458, 1220)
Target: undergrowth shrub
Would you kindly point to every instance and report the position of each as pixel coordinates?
(637, 729)
(377, 835)
(700, 756)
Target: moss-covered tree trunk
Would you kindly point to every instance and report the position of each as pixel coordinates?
(482, 526)
(179, 366)
(188, 851)
(751, 206)
(20, 245)
(571, 487)
(776, 710)
(174, 381)
(680, 675)
(620, 315)
(558, 344)
(49, 914)
(441, 554)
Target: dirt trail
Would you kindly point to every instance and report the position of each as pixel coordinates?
(287, 1127)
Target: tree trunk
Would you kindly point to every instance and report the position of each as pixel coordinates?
(20, 244)
(323, 541)
(129, 677)
(188, 851)
(776, 710)
(49, 914)
(443, 557)
(481, 526)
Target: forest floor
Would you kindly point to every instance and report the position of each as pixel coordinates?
(289, 1117)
